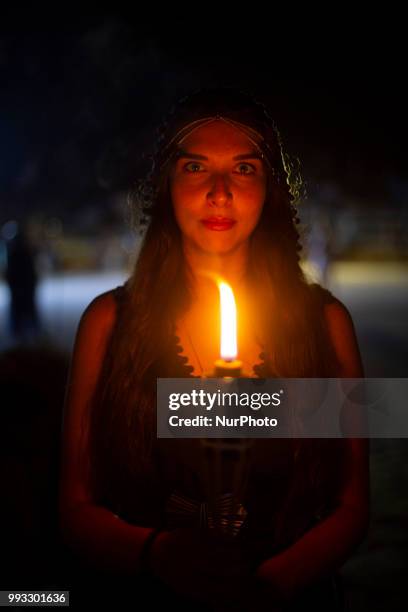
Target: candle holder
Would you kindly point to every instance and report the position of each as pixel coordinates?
(225, 368)
(225, 468)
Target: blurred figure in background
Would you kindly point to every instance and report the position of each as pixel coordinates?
(21, 277)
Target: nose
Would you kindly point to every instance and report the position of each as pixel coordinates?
(219, 194)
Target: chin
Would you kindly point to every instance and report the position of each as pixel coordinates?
(218, 246)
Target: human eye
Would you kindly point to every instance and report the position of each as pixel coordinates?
(193, 167)
(245, 168)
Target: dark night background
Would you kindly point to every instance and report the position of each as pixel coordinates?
(80, 97)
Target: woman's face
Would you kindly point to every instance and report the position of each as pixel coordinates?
(218, 188)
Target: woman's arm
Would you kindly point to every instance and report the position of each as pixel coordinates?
(98, 535)
(325, 547)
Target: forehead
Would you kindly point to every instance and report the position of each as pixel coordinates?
(217, 136)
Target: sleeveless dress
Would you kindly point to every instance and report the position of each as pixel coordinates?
(176, 497)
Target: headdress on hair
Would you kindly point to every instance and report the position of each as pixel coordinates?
(232, 106)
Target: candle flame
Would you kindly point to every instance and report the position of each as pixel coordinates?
(229, 349)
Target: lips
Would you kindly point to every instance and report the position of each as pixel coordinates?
(218, 224)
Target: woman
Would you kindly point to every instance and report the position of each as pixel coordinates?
(221, 196)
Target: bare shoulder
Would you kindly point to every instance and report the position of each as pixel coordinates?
(101, 312)
(96, 324)
(337, 314)
(342, 332)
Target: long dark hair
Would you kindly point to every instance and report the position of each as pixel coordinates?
(122, 415)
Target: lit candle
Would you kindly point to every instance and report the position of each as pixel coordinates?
(228, 365)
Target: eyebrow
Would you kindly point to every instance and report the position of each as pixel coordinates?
(186, 155)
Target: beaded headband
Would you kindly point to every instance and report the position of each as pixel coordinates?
(182, 134)
(258, 140)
